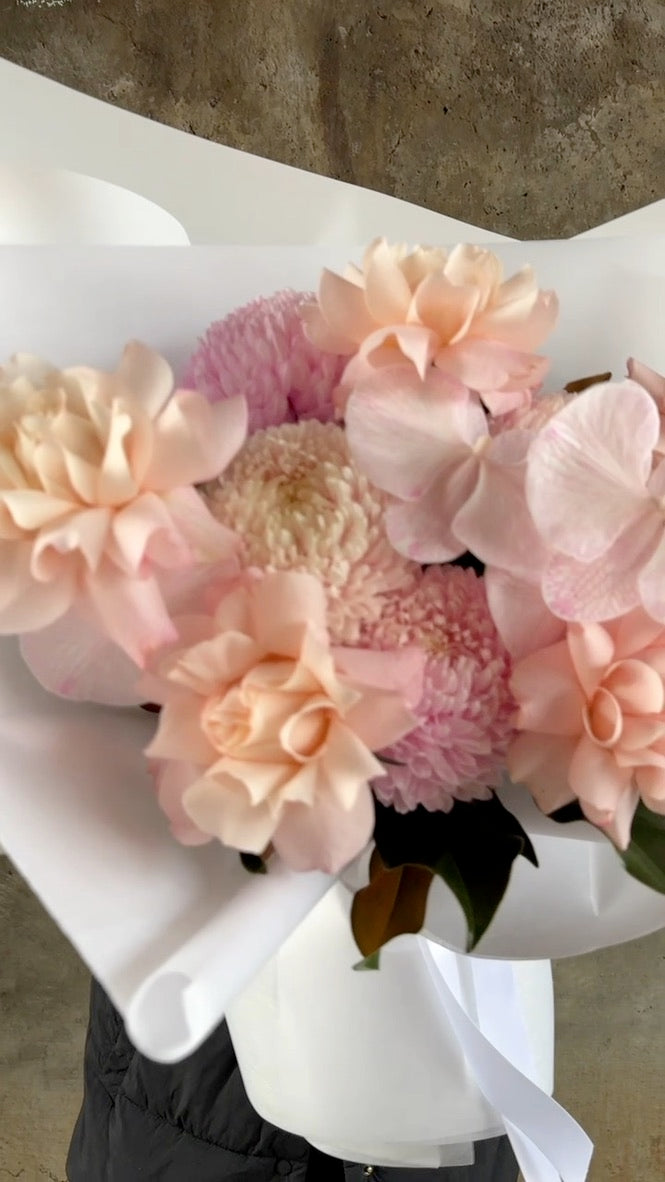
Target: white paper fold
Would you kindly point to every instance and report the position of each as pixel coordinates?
(53, 205)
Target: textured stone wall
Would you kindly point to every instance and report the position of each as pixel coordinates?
(531, 117)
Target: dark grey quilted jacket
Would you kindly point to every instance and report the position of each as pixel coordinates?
(192, 1122)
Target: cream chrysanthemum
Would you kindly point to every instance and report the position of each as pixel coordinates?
(299, 503)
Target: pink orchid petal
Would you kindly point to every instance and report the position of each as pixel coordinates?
(404, 433)
(542, 762)
(74, 658)
(588, 468)
(605, 588)
(148, 375)
(325, 836)
(486, 365)
(522, 618)
(444, 306)
(494, 521)
(132, 611)
(651, 583)
(399, 671)
(172, 779)
(422, 530)
(653, 383)
(591, 649)
(194, 440)
(548, 694)
(502, 402)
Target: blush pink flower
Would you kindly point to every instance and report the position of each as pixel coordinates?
(266, 733)
(454, 311)
(592, 722)
(598, 504)
(458, 749)
(299, 502)
(96, 496)
(428, 444)
(261, 352)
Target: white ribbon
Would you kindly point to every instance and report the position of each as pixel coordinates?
(549, 1145)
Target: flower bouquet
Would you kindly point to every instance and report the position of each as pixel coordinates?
(364, 563)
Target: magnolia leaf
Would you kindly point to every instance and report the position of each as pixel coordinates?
(369, 964)
(254, 863)
(472, 849)
(567, 813)
(392, 904)
(645, 856)
(581, 384)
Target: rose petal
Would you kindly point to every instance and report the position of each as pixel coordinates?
(148, 375)
(222, 807)
(194, 440)
(421, 530)
(542, 762)
(325, 837)
(591, 650)
(548, 693)
(131, 610)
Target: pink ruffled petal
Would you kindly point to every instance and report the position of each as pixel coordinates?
(387, 292)
(444, 306)
(591, 649)
(542, 762)
(634, 632)
(650, 782)
(637, 687)
(489, 366)
(596, 779)
(344, 310)
(387, 346)
(132, 611)
(195, 440)
(618, 822)
(399, 671)
(473, 266)
(588, 468)
(325, 836)
(74, 658)
(148, 375)
(522, 618)
(281, 601)
(404, 434)
(520, 319)
(172, 779)
(222, 807)
(25, 603)
(548, 693)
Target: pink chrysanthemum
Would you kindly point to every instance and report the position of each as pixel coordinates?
(261, 351)
(299, 503)
(459, 749)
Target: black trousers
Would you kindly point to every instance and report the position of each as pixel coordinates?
(192, 1122)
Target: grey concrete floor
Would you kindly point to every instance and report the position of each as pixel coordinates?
(532, 117)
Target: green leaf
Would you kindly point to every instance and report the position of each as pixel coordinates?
(369, 964)
(645, 856)
(567, 813)
(472, 849)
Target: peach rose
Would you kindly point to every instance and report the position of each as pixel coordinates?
(266, 734)
(454, 311)
(96, 496)
(592, 717)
